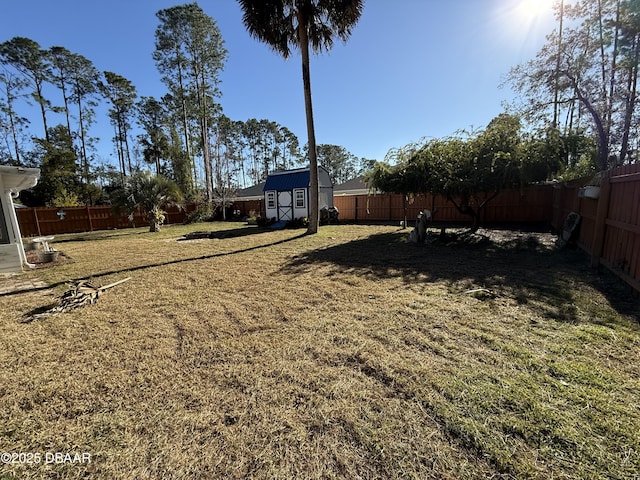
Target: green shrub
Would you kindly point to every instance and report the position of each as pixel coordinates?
(301, 222)
(253, 217)
(265, 222)
(65, 198)
(204, 212)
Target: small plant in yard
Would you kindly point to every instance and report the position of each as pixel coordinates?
(203, 213)
(252, 218)
(65, 198)
(264, 221)
(151, 193)
(301, 222)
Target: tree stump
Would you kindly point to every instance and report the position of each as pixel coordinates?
(419, 234)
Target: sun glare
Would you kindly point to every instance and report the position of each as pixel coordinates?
(532, 9)
(521, 25)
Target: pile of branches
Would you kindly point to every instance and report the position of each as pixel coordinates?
(80, 294)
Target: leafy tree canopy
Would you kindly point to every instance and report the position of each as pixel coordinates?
(469, 171)
(585, 78)
(59, 172)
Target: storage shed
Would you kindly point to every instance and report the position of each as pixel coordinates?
(286, 193)
(12, 181)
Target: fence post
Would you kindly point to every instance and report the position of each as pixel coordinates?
(35, 216)
(89, 218)
(601, 219)
(355, 215)
(558, 205)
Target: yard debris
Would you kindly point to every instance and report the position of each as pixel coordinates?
(329, 215)
(80, 294)
(480, 293)
(197, 235)
(569, 234)
(419, 234)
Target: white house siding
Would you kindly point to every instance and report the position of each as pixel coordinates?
(12, 180)
(10, 260)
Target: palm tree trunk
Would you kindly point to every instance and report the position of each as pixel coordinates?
(314, 218)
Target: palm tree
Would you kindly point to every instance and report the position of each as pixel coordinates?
(151, 193)
(282, 24)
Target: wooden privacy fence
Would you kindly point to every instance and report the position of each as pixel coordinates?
(527, 205)
(609, 228)
(35, 222)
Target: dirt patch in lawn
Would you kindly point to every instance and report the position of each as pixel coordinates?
(34, 259)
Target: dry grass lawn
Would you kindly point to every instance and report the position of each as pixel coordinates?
(348, 354)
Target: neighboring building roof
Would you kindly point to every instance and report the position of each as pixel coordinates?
(254, 192)
(355, 186)
(290, 179)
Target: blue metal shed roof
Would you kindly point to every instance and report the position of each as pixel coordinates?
(287, 180)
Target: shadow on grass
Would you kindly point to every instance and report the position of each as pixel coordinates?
(522, 267)
(225, 234)
(99, 235)
(158, 264)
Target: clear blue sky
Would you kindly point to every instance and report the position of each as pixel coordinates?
(412, 68)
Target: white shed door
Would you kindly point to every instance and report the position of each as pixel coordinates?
(285, 206)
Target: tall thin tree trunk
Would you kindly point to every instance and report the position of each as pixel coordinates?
(614, 66)
(185, 124)
(42, 109)
(602, 53)
(204, 134)
(65, 99)
(206, 158)
(83, 149)
(14, 134)
(603, 138)
(119, 151)
(314, 217)
(556, 87)
(631, 100)
(256, 170)
(12, 124)
(125, 141)
(605, 121)
(242, 167)
(83, 145)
